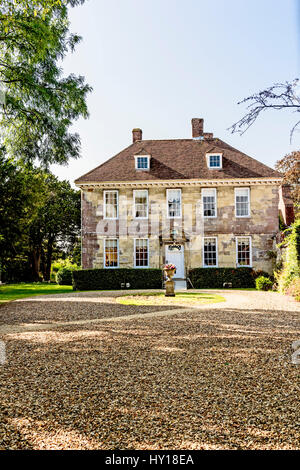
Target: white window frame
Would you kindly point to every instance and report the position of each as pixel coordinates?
(136, 162)
(216, 203)
(250, 251)
(148, 255)
(134, 208)
(208, 155)
(235, 205)
(217, 250)
(104, 204)
(104, 253)
(176, 216)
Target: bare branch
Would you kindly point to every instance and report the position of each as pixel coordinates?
(279, 96)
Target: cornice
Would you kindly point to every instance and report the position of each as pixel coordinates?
(180, 183)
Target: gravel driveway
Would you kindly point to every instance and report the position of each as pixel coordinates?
(84, 372)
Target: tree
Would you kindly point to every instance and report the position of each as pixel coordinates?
(289, 165)
(279, 96)
(56, 223)
(40, 104)
(38, 215)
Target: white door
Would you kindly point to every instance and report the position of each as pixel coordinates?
(175, 255)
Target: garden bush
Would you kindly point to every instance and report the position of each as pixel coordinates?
(64, 275)
(111, 279)
(204, 278)
(263, 283)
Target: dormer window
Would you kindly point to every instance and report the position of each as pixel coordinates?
(214, 160)
(142, 162)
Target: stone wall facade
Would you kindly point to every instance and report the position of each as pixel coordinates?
(262, 225)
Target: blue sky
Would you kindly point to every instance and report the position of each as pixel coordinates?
(156, 64)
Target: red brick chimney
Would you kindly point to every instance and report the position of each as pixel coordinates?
(197, 127)
(137, 134)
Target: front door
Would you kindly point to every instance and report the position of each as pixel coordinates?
(175, 255)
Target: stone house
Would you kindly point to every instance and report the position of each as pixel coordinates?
(193, 202)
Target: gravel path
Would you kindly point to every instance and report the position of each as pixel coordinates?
(100, 375)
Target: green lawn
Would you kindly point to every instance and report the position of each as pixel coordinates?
(158, 298)
(19, 291)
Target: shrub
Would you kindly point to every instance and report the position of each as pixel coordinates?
(263, 283)
(291, 258)
(203, 278)
(64, 275)
(111, 279)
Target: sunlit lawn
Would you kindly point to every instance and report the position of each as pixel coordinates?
(181, 298)
(18, 291)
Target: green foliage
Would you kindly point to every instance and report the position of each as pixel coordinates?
(291, 258)
(64, 275)
(39, 215)
(110, 279)
(263, 283)
(204, 278)
(40, 104)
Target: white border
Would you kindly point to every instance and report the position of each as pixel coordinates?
(134, 211)
(236, 251)
(134, 254)
(217, 251)
(104, 246)
(104, 204)
(142, 156)
(249, 204)
(177, 216)
(216, 204)
(208, 155)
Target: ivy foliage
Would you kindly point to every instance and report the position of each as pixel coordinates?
(38, 104)
(291, 257)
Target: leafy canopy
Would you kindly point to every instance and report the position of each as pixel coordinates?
(39, 104)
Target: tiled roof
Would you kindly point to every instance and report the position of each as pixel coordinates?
(178, 159)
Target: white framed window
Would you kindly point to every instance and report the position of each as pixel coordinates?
(111, 253)
(242, 202)
(141, 253)
(214, 160)
(210, 252)
(173, 203)
(209, 202)
(142, 162)
(244, 251)
(140, 206)
(111, 204)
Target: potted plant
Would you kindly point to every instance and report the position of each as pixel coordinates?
(170, 270)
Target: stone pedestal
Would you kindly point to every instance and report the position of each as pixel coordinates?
(170, 289)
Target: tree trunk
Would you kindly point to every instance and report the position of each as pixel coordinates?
(49, 259)
(36, 259)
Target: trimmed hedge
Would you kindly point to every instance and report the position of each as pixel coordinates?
(110, 279)
(205, 278)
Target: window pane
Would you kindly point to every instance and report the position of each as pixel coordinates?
(174, 202)
(111, 204)
(243, 251)
(141, 203)
(111, 253)
(210, 252)
(142, 163)
(141, 252)
(214, 161)
(242, 202)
